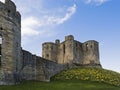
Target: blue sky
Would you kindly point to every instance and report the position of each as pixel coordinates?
(47, 20)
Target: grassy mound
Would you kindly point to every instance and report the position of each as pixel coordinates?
(89, 74)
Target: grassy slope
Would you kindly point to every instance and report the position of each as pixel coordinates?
(60, 85)
(90, 74)
(74, 79)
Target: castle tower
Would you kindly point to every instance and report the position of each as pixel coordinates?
(91, 53)
(10, 43)
(78, 53)
(50, 51)
(66, 55)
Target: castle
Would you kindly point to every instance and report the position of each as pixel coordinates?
(17, 64)
(71, 51)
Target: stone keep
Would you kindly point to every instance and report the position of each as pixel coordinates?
(10, 42)
(71, 52)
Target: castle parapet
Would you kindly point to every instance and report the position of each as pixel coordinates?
(90, 45)
(8, 10)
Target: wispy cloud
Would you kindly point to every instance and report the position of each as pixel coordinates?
(31, 24)
(69, 13)
(96, 2)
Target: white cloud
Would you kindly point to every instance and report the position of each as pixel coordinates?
(28, 26)
(43, 20)
(97, 2)
(27, 7)
(2, 0)
(33, 25)
(70, 12)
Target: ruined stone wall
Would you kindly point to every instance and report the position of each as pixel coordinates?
(28, 71)
(10, 31)
(46, 69)
(37, 68)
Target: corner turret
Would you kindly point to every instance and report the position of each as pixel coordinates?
(91, 53)
(57, 41)
(49, 51)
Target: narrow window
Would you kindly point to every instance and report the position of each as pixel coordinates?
(17, 44)
(47, 55)
(64, 48)
(51, 47)
(16, 65)
(0, 48)
(76, 45)
(1, 28)
(86, 47)
(47, 47)
(91, 46)
(8, 11)
(0, 39)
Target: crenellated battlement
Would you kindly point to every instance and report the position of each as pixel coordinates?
(8, 11)
(91, 44)
(71, 51)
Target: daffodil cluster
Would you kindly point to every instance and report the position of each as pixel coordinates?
(91, 74)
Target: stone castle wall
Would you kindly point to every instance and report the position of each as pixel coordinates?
(71, 52)
(10, 32)
(38, 68)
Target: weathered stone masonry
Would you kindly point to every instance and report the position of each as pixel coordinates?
(71, 51)
(17, 64)
(10, 32)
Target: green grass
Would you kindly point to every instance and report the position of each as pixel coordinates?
(61, 85)
(74, 79)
